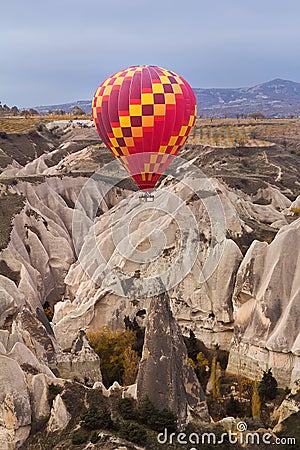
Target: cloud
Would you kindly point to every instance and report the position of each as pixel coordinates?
(61, 50)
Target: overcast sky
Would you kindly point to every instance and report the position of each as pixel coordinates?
(59, 51)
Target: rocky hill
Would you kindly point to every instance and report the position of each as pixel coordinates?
(80, 251)
(85, 105)
(276, 98)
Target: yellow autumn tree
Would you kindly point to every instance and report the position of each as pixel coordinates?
(255, 401)
(216, 374)
(202, 364)
(213, 377)
(112, 348)
(218, 380)
(131, 366)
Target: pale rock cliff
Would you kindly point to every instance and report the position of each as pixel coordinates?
(256, 295)
(94, 298)
(266, 301)
(81, 363)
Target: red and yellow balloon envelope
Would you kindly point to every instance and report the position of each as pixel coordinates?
(145, 111)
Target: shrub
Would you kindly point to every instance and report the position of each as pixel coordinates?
(233, 407)
(29, 368)
(201, 366)
(127, 409)
(49, 311)
(254, 133)
(133, 432)
(154, 418)
(40, 127)
(162, 419)
(94, 437)
(80, 437)
(295, 211)
(240, 143)
(54, 390)
(92, 418)
(145, 410)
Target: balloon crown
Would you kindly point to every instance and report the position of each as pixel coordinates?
(144, 114)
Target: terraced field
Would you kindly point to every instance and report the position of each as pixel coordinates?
(227, 135)
(22, 125)
(218, 133)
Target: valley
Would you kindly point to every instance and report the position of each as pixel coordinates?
(65, 275)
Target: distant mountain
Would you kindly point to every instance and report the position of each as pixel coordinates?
(85, 105)
(276, 98)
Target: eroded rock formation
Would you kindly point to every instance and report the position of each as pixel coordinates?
(256, 295)
(267, 308)
(165, 375)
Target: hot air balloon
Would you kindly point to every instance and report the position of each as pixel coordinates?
(144, 114)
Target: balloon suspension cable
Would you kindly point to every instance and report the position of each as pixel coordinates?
(146, 197)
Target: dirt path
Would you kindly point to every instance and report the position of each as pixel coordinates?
(279, 175)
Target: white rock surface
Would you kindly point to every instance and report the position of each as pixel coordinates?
(81, 363)
(15, 409)
(288, 407)
(59, 417)
(274, 197)
(13, 385)
(41, 249)
(204, 307)
(39, 397)
(266, 301)
(10, 299)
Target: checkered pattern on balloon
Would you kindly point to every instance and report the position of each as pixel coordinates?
(145, 111)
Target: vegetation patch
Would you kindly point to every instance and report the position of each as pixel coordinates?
(10, 206)
(118, 358)
(28, 368)
(94, 418)
(6, 271)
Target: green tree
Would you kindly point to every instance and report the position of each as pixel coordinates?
(92, 419)
(192, 346)
(163, 419)
(94, 437)
(133, 432)
(81, 437)
(154, 418)
(145, 410)
(268, 386)
(127, 409)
